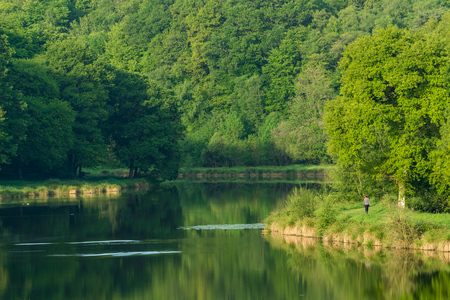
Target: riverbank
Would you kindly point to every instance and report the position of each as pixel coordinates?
(386, 225)
(263, 172)
(91, 185)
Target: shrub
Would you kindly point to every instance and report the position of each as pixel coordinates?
(301, 203)
(326, 214)
(401, 229)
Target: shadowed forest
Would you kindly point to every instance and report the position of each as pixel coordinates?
(152, 85)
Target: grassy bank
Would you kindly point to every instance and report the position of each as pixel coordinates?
(96, 181)
(310, 213)
(292, 171)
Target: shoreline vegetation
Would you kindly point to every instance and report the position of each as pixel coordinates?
(262, 172)
(313, 214)
(95, 182)
(112, 181)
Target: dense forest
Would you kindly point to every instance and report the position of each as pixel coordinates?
(157, 84)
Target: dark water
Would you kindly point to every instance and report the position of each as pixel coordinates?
(189, 242)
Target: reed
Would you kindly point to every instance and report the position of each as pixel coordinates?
(57, 187)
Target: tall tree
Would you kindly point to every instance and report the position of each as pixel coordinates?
(12, 125)
(83, 82)
(49, 121)
(284, 64)
(247, 101)
(393, 100)
(144, 127)
(302, 134)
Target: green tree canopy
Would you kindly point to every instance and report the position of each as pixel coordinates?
(48, 119)
(12, 127)
(83, 81)
(144, 126)
(393, 100)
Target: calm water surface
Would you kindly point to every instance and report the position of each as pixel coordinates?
(192, 241)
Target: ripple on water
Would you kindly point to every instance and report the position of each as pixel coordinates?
(32, 244)
(105, 242)
(121, 254)
(225, 227)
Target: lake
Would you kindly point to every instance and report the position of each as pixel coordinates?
(192, 241)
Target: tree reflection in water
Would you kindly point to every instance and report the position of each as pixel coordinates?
(345, 271)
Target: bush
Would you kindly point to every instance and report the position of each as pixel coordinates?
(301, 203)
(389, 200)
(326, 214)
(401, 229)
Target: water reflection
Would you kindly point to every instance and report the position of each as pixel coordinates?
(345, 271)
(129, 247)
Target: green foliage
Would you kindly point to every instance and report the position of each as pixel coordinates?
(5, 54)
(302, 135)
(394, 95)
(402, 229)
(284, 63)
(250, 80)
(83, 81)
(48, 120)
(144, 127)
(246, 101)
(3, 139)
(352, 184)
(12, 125)
(302, 203)
(326, 214)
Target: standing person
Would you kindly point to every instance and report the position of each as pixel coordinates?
(366, 203)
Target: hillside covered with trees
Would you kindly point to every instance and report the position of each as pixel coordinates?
(157, 84)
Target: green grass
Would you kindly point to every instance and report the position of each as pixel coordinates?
(379, 213)
(386, 222)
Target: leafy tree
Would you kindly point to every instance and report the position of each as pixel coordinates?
(392, 105)
(270, 153)
(215, 57)
(12, 125)
(151, 18)
(5, 55)
(4, 140)
(302, 135)
(120, 52)
(49, 121)
(83, 82)
(284, 63)
(247, 101)
(144, 127)
(24, 43)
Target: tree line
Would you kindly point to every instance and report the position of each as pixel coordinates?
(68, 109)
(147, 83)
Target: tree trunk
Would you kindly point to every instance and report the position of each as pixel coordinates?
(131, 172)
(71, 164)
(401, 195)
